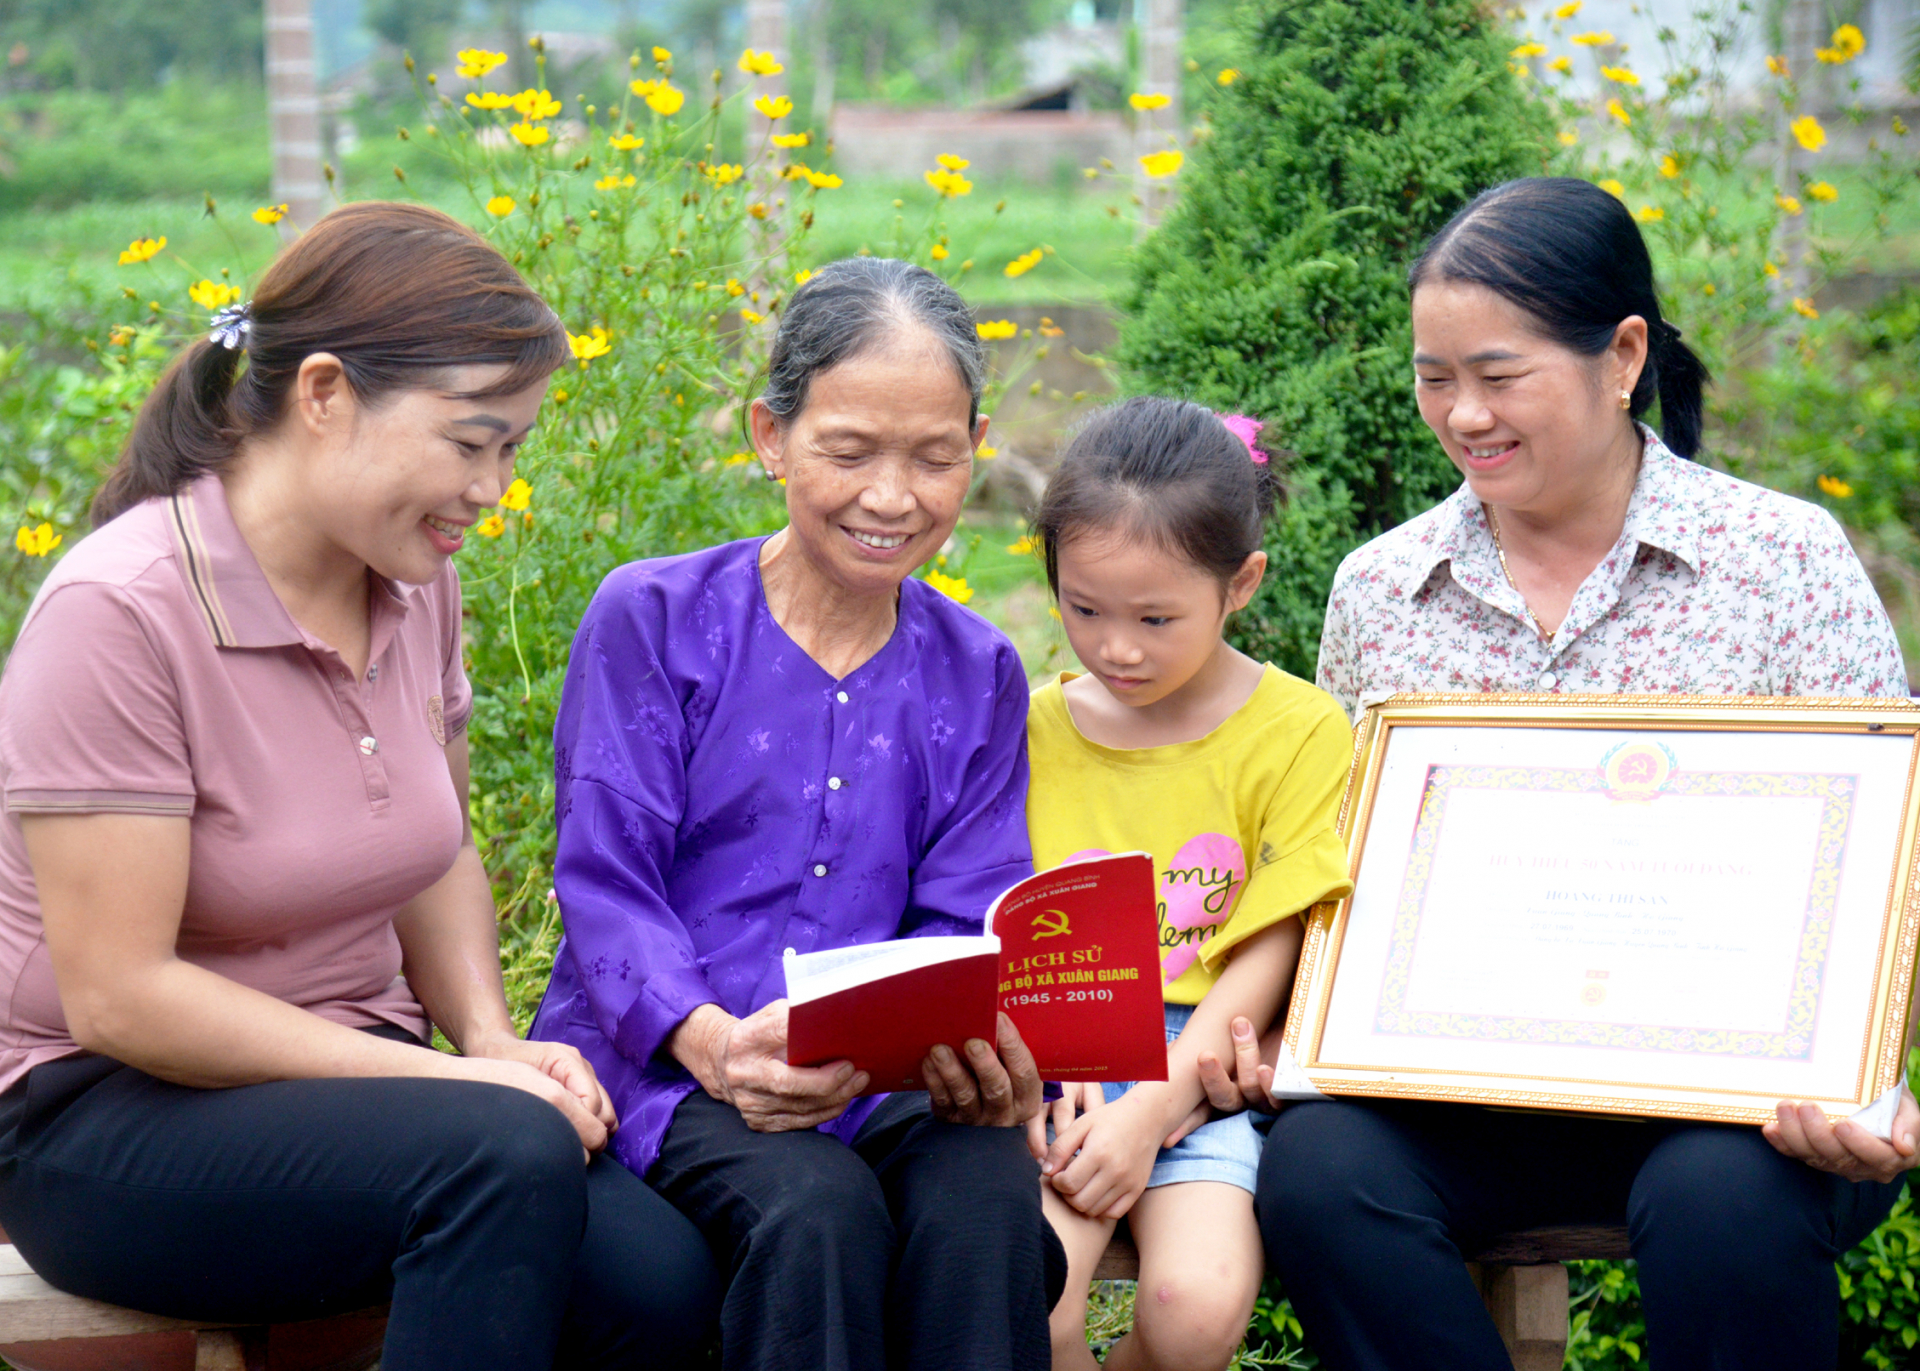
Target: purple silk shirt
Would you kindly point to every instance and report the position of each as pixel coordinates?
(720, 798)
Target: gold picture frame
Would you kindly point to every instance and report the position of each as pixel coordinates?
(1589, 902)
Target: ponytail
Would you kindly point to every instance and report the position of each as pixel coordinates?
(1680, 378)
(398, 294)
(184, 429)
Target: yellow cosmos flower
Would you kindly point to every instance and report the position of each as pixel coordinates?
(995, 329)
(1568, 10)
(530, 135)
(938, 252)
(1670, 166)
(760, 63)
(792, 140)
(477, 62)
(949, 183)
(1834, 486)
(1567, 138)
(1807, 132)
(724, 174)
(120, 335)
(519, 495)
(738, 459)
(758, 209)
(800, 278)
(1025, 262)
(1823, 192)
(986, 453)
(269, 214)
(1708, 289)
(1157, 100)
(212, 295)
(536, 104)
(823, 180)
(1899, 127)
(660, 54)
(774, 106)
(751, 316)
(1228, 75)
(36, 542)
(1023, 546)
(614, 182)
(1620, 76)
(490, 99)
(491, 527)
(1047, 329)
(1596, 38)
(1613, 188)
(1159, 164)
(626, 142)
(1649, 214)
(953, 587)
(665, 99)
(1773, 272)
(1848, 43)
(1804, 308)
(1562, 64)
(734, 288)
(1618, 111)
(142, 250)
(586, 346)
(1778, 66)
(500, 206)
(952, 162)
(1788, 204)
(1529, 50)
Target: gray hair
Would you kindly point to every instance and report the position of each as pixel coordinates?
(848, 308)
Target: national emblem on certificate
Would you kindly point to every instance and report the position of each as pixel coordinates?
(1675, 906)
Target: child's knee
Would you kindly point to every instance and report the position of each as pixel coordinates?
(1191, 1323)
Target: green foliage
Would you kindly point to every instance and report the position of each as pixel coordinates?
(115, 44)
(1357, 128)
(1879, 1306)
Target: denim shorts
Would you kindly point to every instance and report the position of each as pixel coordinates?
(1225, 1150)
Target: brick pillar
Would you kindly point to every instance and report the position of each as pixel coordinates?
(1160, 75)
(293, 112)
(767, 32)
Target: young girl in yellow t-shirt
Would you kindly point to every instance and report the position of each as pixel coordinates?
(1229, 772)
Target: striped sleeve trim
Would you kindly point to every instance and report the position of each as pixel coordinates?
(186, 523)
(98, 802)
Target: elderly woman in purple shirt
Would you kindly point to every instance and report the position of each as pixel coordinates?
(789, 742)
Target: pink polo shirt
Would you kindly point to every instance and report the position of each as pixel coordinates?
(158, 673)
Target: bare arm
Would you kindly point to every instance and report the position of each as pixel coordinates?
(111, 932)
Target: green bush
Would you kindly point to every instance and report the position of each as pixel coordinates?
(1356, 129)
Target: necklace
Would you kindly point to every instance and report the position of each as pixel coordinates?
(1493, 525)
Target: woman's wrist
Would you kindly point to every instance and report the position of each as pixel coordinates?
(700, 1045)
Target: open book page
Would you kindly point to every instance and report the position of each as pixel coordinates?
(815, 975)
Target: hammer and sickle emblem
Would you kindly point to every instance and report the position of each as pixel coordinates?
(1050, 923)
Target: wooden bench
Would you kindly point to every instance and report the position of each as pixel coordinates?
(44, 1329)
(1520, 1275)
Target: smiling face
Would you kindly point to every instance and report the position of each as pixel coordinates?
(399, 483)
(877, 463)
(1531, 424)
(1144, 621)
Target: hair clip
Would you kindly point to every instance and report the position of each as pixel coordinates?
(1246, 430)
(230, 327)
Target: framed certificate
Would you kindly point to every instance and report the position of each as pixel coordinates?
(1680, 906)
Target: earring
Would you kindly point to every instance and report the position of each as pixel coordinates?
(768, 473)
(1626, 399)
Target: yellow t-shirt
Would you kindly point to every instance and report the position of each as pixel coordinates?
(1240, 823)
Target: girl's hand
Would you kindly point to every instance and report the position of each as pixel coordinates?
(1249, 1086)
(1101, 1163)
(556, 1061)
(1073, 1096)
(521, 1075)
(744, 1062)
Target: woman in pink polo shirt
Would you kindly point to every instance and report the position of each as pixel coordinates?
(236, 877)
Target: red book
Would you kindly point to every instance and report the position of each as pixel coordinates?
(1073, 956)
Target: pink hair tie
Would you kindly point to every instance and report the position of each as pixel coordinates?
(1246, 430)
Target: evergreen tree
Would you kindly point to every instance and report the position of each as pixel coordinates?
(1276, 287)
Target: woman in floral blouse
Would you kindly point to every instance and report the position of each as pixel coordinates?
(1582, 554)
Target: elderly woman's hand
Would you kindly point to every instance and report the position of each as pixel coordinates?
(1846, 1149)
(981, 1087)
(744, 1062)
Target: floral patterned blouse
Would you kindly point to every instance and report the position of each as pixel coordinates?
(1716, 587)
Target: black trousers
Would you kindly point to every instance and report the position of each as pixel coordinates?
(922, 1246)
(466, 1205)
(1365, 1207)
